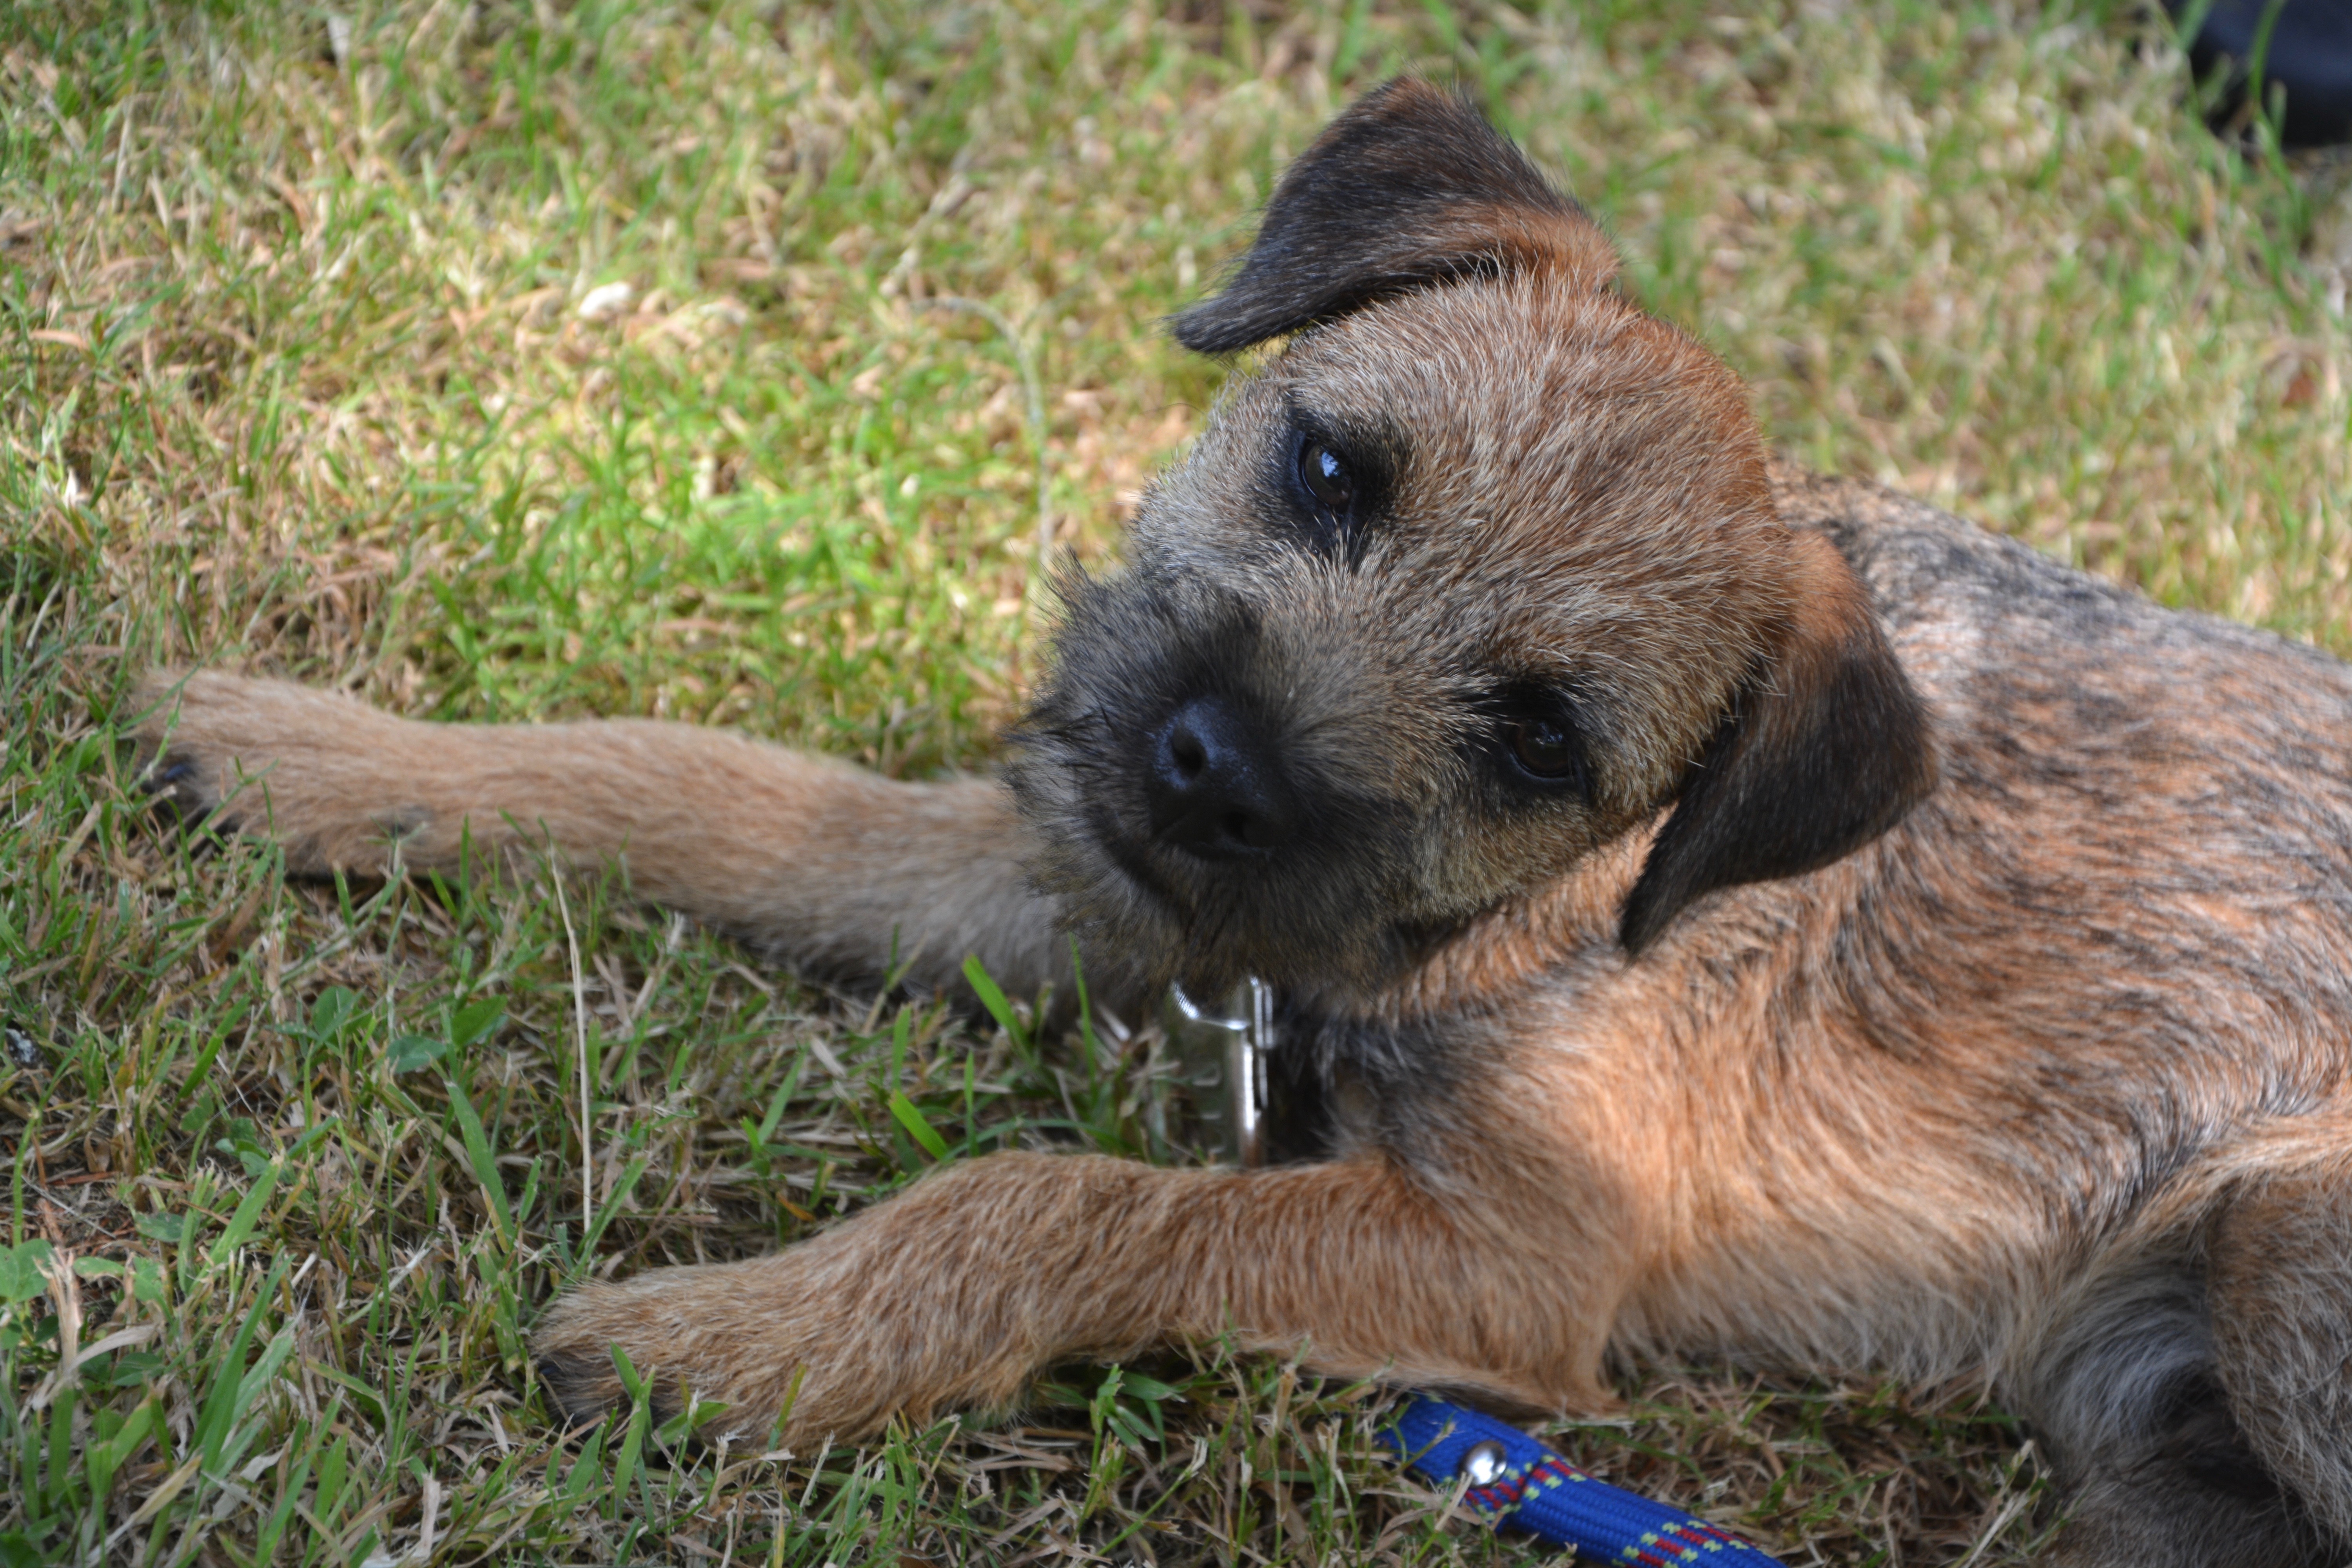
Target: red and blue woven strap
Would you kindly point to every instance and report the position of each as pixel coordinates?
(1520, 1482)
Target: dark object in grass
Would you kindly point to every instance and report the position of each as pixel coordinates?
(2308, 52)
(1712, 909)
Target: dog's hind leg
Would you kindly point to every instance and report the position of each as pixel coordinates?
(2197, 1398)
(825, 866)
(2279, 1268)
(2157, 1471)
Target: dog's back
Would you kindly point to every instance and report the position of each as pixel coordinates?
(2140, 855)
(2111, 956)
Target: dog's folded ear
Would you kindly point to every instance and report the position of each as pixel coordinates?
(1411, 185)
(1826, 748)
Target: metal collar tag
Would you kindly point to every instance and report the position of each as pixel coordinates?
(1221, 1053)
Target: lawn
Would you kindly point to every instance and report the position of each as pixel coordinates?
(737, 363)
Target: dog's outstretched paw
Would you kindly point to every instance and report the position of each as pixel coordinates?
(584, 1388)
(171, 775)
(329, 778)
(661, 1323)
(822, 1341)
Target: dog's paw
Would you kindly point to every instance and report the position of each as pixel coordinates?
(172, 772)
(585, 1387)
(314, 769)
(754, 1338)
(812, 1344)
(207, 744)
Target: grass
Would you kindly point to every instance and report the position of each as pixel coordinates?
(492, 361)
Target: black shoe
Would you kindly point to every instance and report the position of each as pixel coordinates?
(2310, 54)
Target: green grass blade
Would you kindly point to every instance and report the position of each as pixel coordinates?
(992, 997)
(917, 1127)
(485, 1164)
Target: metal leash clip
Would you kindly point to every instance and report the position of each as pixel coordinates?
(1221, 1054)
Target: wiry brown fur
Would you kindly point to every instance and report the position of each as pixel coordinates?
(1938, 961)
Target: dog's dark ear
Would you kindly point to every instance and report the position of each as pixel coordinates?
(1826, 748)
(1409, 186)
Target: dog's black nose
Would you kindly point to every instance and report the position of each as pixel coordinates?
(1213, 791)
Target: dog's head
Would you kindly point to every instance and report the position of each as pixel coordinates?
(1481, 573)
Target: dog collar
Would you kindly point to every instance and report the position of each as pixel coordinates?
(1515, 1480)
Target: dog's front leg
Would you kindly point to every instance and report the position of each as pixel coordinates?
(956, 1292)
(823, 865)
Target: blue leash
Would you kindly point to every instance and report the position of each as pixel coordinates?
(1522, 1483)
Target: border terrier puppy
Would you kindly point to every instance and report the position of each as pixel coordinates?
(1715, 910)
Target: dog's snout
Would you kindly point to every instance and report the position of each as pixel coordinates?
(1215, 791)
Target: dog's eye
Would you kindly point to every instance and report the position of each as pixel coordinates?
(1536, 738)
(1544, 747)
(1327, 478)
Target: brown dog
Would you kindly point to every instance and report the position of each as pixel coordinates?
(1714, 909)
